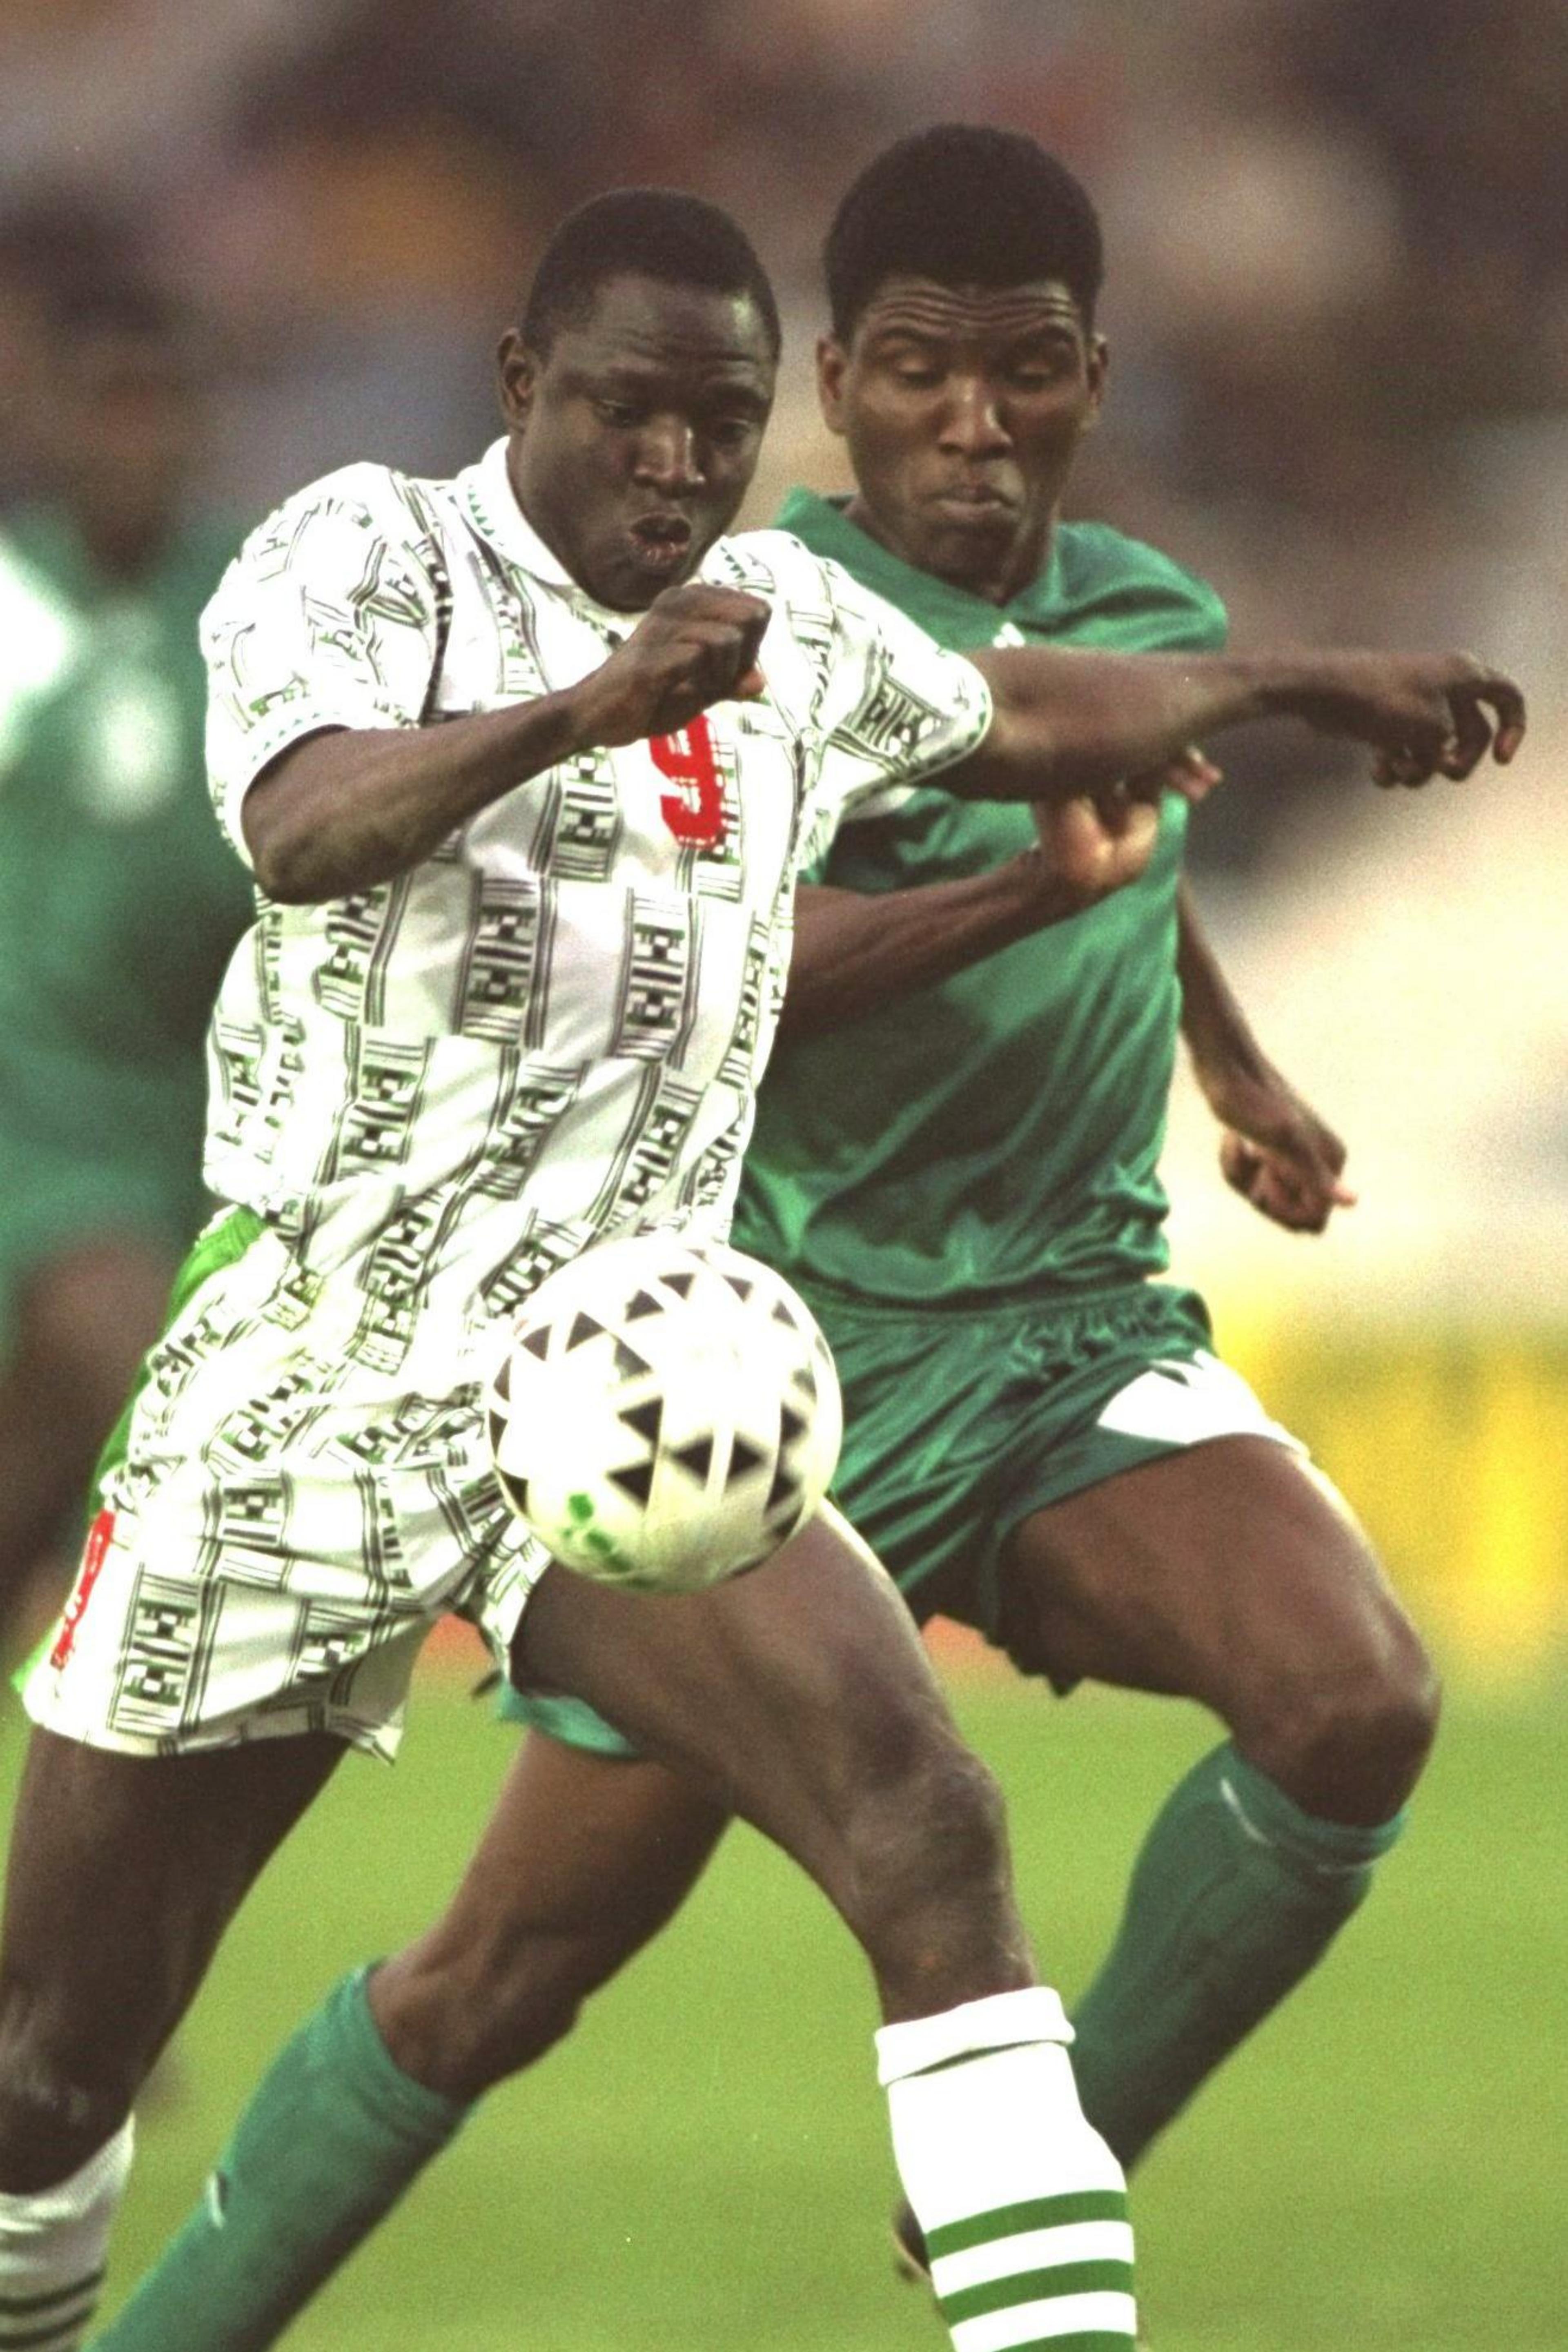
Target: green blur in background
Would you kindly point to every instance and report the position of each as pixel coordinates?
(705, 2164)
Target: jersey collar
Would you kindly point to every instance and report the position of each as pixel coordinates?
(491, 504)
(827, 528)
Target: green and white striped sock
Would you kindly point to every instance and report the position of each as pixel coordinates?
(1023, 2205)
(53, 2244)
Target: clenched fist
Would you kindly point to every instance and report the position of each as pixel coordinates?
(694, 647)
(1098, 842)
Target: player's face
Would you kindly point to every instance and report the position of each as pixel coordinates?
(635, 440)
(962, 408)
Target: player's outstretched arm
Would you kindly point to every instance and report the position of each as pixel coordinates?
(855, 950)
(348, 808)
(1275, 1150)
(1067, 723)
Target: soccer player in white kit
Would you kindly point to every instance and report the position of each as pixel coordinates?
(525, 863)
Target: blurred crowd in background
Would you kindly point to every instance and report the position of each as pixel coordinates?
(1339, 272)
(1338, 309)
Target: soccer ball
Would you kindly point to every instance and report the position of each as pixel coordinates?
(668, 1413)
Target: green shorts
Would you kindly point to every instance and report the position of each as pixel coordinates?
(959, 1422)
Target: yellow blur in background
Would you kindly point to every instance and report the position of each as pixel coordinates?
(1452, 1446)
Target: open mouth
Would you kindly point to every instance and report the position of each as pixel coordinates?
(972, 502)
(663, 540)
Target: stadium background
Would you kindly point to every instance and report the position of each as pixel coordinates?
(1338, 311)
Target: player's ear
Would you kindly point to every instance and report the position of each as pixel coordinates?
(832, 366)
(517, 377)
(1098, 369)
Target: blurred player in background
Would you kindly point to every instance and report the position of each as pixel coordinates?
(956, 1158)
(120, 901)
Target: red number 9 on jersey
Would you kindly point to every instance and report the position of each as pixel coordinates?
(695, 813)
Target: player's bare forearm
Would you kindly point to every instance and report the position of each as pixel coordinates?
(1067, 723)
(351, 807)
(344, 810)
(1218, 1035)
(854, 950)
(1275, 1150)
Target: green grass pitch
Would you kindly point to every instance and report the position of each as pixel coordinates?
(705, 2165)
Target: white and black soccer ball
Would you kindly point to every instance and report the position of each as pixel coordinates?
(668, 1413)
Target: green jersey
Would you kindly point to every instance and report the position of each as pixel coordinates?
(1001, 1129)
(120, 901)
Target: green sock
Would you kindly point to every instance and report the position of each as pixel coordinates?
(333, 2137)
(1235, 1895)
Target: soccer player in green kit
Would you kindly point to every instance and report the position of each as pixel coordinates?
(964, 1178)
(956, 1161)
(120, 901)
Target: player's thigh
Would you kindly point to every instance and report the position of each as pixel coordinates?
(790, 1694)
(1227, 1572)
(124, 1872)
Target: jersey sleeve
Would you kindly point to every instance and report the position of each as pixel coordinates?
(1196, 622)
(1172, 610)
(330, 616)
(898, 707)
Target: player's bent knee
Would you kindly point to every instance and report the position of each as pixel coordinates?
(1352, 1743)
(1391, 1720)
(1389, 1709)
(930, 1895)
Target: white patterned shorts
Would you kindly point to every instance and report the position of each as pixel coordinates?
(286, 1525)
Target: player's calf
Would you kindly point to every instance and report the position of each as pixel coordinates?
(459, 2022)
(66, 2142)
(803, 1694)
(540, 1922)
(57, 2106)
(121, 1873)
(1019, 2203)
(72, 2056)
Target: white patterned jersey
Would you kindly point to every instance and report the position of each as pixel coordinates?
(438, 1088)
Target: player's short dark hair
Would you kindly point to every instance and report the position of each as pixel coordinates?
(966, 205)
(648, 232)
